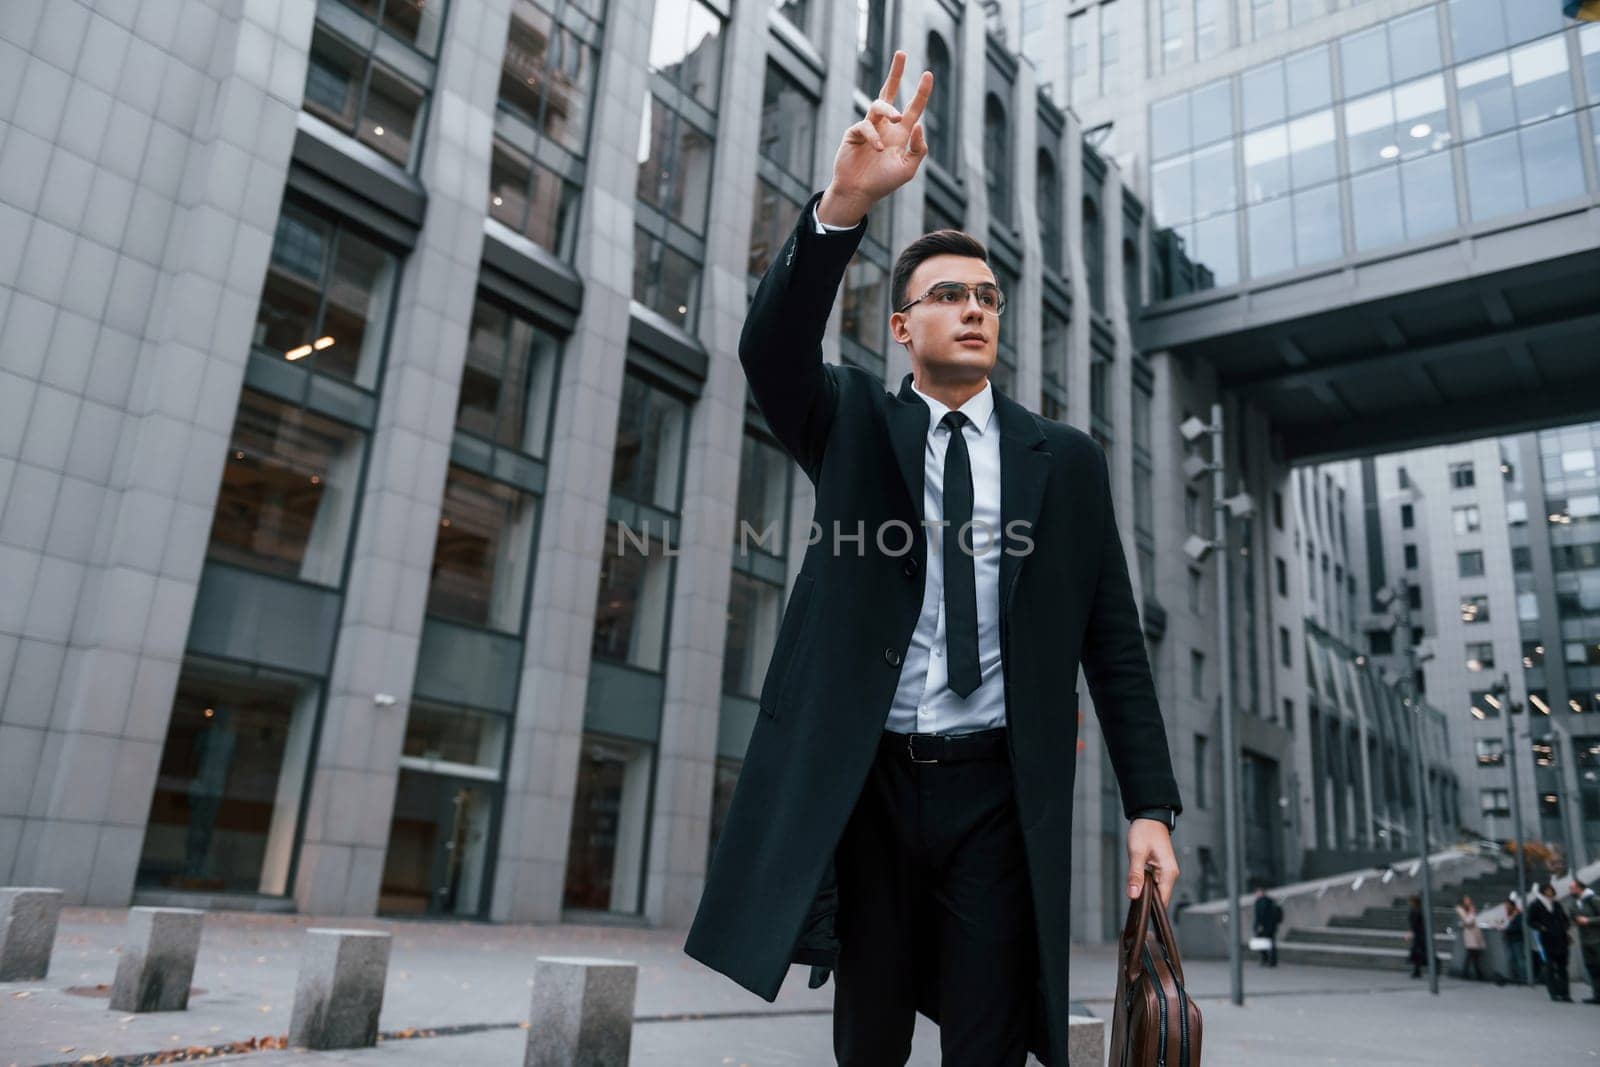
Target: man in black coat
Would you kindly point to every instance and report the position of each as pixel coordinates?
(1550, 919)
(1268, 916)
(903, 817)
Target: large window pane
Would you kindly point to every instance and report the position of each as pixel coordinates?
(631, 608)
(763, 503)
(1211, 111)
(416, 22)
(674, 165)
(1169, 127)
(533, 200)
(1477, 27)
(227, 795)
(788, 124)
(1171, 193)
(938, 121)
(333, 81)
(389, 120)
(869, 45)
(1551, 161)
(1310, 80)
(1215, 188)
(1313, 155)
(1271, 238)
(291, 298)
(1266, 163)
(442, 734)
(1540, 80)
(1364, 59)
(1484, 91)
(1318, 232)
(1414, 44)
(1369, 131)
(648, 461)
(482, 552)
(754, 611)
(1375, 199)
(1216, 248)
(1262, 90)
(1421, 123)
(606, 846)
(288, 491)
(864, 304)
(665, 280)
(775, 218)
(1494, 176)
(356, 311)
(509, 380)
(686, 48)
(548, 76)
(1429, 187)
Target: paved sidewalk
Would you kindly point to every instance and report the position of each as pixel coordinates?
(463, 975)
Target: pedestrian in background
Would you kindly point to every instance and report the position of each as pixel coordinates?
(1471, 938)
(1586, 915)
(1418, 937)
(1550, 919)
(1268, 915)
(1511, 934)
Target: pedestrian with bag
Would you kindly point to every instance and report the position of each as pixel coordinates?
(1268, 916)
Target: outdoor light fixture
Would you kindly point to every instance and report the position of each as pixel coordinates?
(1197, 548)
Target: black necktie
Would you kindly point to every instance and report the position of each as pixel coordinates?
(960, 580)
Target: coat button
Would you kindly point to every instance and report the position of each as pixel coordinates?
(891, 657)
(910, 568)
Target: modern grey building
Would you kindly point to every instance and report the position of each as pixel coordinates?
(1495, 541)
(374, 454)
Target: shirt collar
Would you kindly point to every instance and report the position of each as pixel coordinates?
(977, 409)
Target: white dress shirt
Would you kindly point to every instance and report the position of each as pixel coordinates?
(924, 703)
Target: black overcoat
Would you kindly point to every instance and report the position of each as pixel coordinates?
(1066, 598)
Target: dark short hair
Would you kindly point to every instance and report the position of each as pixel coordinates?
(937, 243)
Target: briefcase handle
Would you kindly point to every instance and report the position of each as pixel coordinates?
(1137, 927)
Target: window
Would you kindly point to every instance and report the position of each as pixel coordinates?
(1277, 509)
(788, 124)
(1411, 557)
(1469, 564)
(1054, 368)
(1202, 759)
(1191, 512)
(509, 381)
(1288, 714)
(1047, 198)
(1516, 512)
(288, 494)
(938, 121)
(483, 551)
(1281, 572)
(1414, 597)
(675, 159)
(1521, 558)
(1491, 751)
(548, 75)
(1496, 803)
(1464, 520)
(1094, 254)
(1196, 592)
(347, 88)
(1480, 655)
(1132, 289)
(1484, 704)
(533, 200)
(1461, 475)
(1475, 609)
(871, 65)
(997, 150)
(1407, 517)
(1110, 66)
(1080, 71)
(325, 302)
(647, 465)
(630, 622)
(1285, 649)
(1197, 674)
(799, 15)
(1380, 642)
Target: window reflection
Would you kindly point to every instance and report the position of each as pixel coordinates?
(482, 552)
(508, 383)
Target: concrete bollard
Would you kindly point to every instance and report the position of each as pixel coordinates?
(1086, 1039)
(157, 961)
(582, 1013)
(27, 931)
(339, 991)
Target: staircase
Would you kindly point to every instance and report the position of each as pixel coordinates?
(1376, 939)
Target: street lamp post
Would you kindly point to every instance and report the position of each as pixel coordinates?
(1400, 596)
(1198, 548)
(1504, 687)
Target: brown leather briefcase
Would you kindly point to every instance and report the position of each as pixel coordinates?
(1154, 1023)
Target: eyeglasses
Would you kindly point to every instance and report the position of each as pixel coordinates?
(954, 294)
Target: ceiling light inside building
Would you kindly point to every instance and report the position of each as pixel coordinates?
(378, 130)
(1389, 151)
(322, 343)
(1421, 130)
(298, 353)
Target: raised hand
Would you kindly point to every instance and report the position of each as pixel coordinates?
(880, 153)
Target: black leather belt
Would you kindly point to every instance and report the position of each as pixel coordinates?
(946, 748)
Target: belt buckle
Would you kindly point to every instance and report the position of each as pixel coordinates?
(912, 751)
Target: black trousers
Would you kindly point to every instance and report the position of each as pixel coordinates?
(934, 896)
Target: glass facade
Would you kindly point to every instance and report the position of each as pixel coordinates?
(1456, 113)
(483, 552)
(357, 94)
(676, 138)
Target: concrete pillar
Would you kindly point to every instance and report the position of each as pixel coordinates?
(339, 990)
(27, 932)
(582, 1012)
(157, 961)
(1086, 1039)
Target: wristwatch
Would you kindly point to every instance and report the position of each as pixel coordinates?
(1166, 816)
